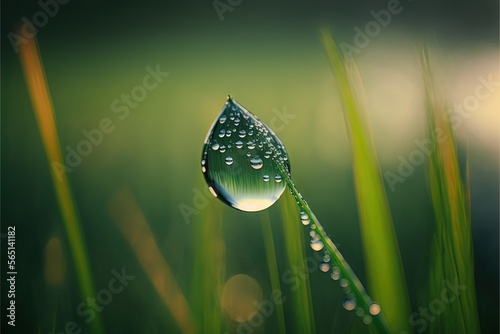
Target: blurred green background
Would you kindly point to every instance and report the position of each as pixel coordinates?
(270, 58)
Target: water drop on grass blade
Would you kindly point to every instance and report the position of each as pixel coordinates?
(249, 178)
(241, 180)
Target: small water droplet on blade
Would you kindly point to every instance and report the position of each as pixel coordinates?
(324, 267)
(317, 245)
(304, 218)
(335, 273)
(349, 303)
(374, 309)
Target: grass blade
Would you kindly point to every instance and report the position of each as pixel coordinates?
(383, 261)
(272, 265)
(452, 252)
(301, 291)
(44, 113)
(209, 267)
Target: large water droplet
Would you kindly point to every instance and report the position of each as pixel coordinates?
(239, 183)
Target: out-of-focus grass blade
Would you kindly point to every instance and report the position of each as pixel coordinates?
(209, 266)
(383, 261)
(44, 113)
(295, 252)
(272, 264)
(132, 223)
(452, 253)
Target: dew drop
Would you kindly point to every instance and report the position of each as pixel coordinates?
(367, 319)
(374, 309)
(335, 273)
(304, 218)
(349, 303)
(324, 267)
(256, 162)
(326, 258)
(344, 283)
(360, 312)
(317, 245)
(242, 187)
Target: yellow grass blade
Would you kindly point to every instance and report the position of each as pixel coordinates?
(44, 113)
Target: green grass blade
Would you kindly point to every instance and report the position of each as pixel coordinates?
(383, 260)
(272, 265)
(452, 253)
(301, 291)
(208, 270)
